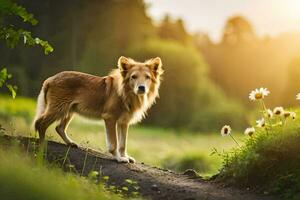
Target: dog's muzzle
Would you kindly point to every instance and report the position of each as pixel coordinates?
(141, 89)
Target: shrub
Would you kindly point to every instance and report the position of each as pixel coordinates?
(269, 160)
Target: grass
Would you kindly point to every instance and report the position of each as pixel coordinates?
(269, 160)
(155, 146)
(22, 178)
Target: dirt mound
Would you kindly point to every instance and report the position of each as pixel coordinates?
(153, 183)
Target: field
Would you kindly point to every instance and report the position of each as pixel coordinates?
(174, 149)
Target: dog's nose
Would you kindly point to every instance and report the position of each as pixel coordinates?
(141, 88)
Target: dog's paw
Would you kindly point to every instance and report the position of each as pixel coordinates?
(122, 159)
(131, 159)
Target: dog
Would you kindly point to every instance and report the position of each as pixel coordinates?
(120, 99)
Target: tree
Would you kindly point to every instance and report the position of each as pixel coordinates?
(238, 30)
(174, 30)
(12, 35)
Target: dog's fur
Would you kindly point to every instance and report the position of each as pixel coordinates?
(120, 99)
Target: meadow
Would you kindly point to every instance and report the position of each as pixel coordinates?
(168, 148)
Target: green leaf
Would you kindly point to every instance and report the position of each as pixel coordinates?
(7, 7)
(13, 90)
(3, 76)
(129, 181)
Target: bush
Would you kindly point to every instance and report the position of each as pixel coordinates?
(188, 98)
(269, 160)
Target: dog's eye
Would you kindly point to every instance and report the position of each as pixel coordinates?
(148, 77)
(134, 76)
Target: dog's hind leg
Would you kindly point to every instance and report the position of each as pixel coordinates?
(112, 140)
(42, 123)
(62, 127)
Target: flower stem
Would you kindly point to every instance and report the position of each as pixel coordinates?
(235, 140)
(263, 105)
(265, 112)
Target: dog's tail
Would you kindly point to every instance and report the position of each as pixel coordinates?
(41, 104)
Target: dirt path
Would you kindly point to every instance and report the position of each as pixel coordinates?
(154, 183)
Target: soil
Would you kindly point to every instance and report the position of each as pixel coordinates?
(154, 183)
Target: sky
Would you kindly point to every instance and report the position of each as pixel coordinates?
(269, 17)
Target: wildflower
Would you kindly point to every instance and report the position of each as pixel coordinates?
(288, 114)
(226, 130)
(298, 96)
(293, 115)
(278, 111)
(269, 113)
(250, 131)
(258, 94)
(261, 123)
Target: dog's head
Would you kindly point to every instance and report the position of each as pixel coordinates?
(140, 77)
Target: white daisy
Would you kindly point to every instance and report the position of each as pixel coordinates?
(269, 113)
(250, 131)
(288, 114)
(298, 96)
(261, 123)
(258, 94)
(278, 111)
(293, 115)
(226, 130)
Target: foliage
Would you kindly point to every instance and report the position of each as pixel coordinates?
(13, 35)
(4, 76)
(170, 30)
(25, 180)
(188, 98)
(269, 161)
(238, 30)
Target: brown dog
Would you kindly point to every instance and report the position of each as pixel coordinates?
(121, 98)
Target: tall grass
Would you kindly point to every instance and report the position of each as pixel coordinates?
(20, 178)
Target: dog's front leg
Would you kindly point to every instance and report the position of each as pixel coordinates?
(112, 140)
(122, 138)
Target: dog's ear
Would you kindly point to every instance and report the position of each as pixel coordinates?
(155, 65)
(124, 64)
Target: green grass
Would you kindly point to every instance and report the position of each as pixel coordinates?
(155, 146)
(269, 161)
(22, 178)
